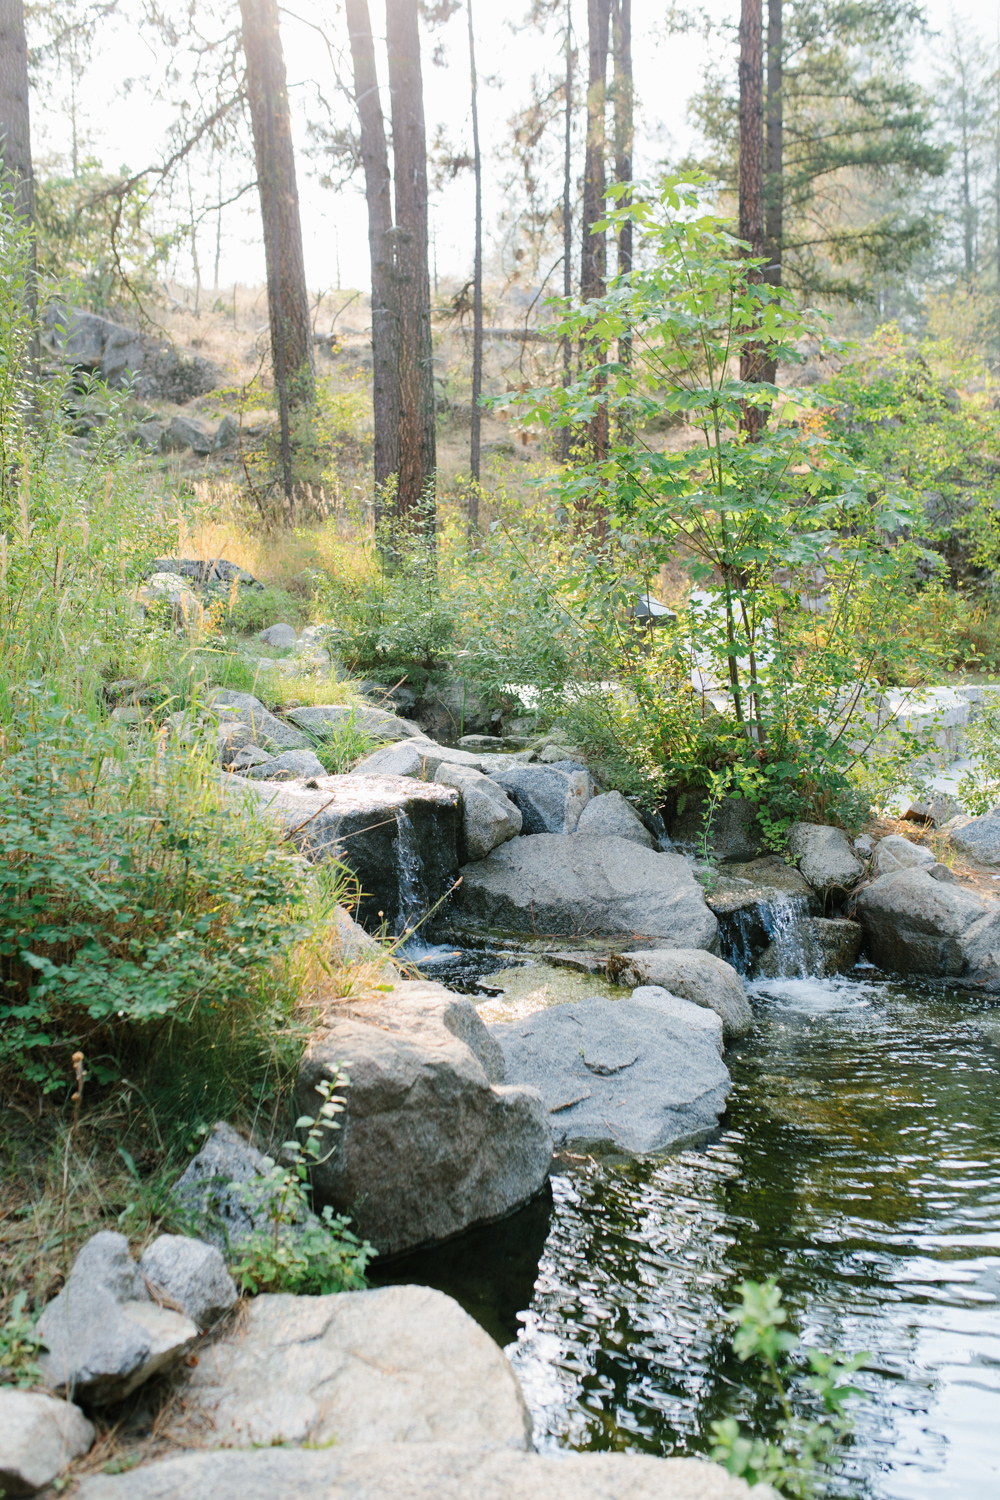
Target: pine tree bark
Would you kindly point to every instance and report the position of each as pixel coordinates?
(751, 182)
(624, 132)
(15, 119)
(477, 290)
(287, 297)
(417, 438)
(381, 245)
(567, 205)
(774, 200)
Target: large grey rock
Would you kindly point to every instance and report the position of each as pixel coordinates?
(489, 818)
(184, 432)
(400, 1364)
(105, 1261)
(402, 759)
(979, 839)
(39, 1436)
(278, 635)
(213, 1190)
(896, 853)
(269, 732)
(290, 765)
(397, 835)
(585, 885)
(694, 975)
(422, 1471)
(915, 924)
(824, 856)
(431, 1140)
(551, 798)
(611, 814)
(324, 720)
(193, 1275)
(623, 1076)
(733, 828)
(226, 434)
(99, 1350)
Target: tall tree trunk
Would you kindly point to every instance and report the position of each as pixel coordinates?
(477, 290)
(774, 203)
(593, 263)
(15, 124)
(751, 180)
(567, 343)
(624, 128)
(417, 445)
(287, 297)
(381, 245)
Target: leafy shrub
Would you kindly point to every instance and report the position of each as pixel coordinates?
(806, 1450)
(979, 788)
(19, 1346)
(129, 895)
(301, 1251)
(248, 610)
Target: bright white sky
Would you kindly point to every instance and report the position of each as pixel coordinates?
(129, 130)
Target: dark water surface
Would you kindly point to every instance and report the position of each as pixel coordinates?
(860, 1164)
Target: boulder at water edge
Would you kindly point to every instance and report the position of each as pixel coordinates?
(39, 1436)
(397, 836)
(824, 857)
(432, 1140)
(622, 1076)
(422, 1471)
(915, 924)
(551, 798)
(692, 974)
(489, 818)
(586, 885)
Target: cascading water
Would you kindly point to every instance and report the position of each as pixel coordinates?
(773, 929)
(410, 909)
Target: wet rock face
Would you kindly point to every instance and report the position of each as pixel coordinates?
(915, 924)
(823, 946)
(585, 885)
(398, 836)
(431, 1140)
(622, 1076)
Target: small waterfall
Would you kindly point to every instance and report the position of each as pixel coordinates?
(410, 869)
(769, 936)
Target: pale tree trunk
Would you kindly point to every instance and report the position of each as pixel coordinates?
(593, 263)
(381, 244)
(287, 297)
(417, 445)
(477, 291)
(18, 185)
(567, 350)
(751, 179)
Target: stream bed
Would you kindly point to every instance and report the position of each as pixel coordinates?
(859, 1163)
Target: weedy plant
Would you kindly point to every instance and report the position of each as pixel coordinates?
(19, 1347)
(301, 1251)
(805, 1452)
(979, 788)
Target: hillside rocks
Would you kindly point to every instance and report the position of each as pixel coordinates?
(121, 356)
(398, 836)
(282, 636)
(325, 719)
(551, 798)
(611, 814)
(213, 1189)
(290, 765)
(269, 732)
(916, 924)
(103, 1335)
(896, 853)
(628, 1076)
(432, 1140)
(585, 885)
(979, 838)
(824, 857)
(39, 1436)
(437, 1471)
(489, 818)
(695, 976)
(395, 1365)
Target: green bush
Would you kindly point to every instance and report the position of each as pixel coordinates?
(249, 610)
(130, 897)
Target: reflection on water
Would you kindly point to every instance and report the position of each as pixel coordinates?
(860, 1164)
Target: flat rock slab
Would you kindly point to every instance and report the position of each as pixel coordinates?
(398, 1364)
(326, 720)
(398, 837)
(627, 1076)
(432, 1140)
(425, 1471)
(585, 885)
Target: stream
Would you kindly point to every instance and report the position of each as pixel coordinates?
(859, 1162)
